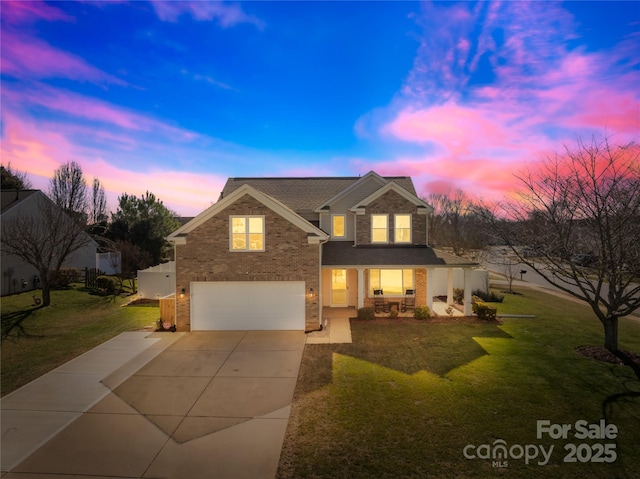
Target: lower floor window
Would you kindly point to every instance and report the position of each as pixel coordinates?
(393, 282)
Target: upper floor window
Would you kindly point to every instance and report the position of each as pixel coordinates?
(247, 233)
(402, 228)
(379, 228)
(338, 226)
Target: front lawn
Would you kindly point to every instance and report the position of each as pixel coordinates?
(407, 397)
(75, 322)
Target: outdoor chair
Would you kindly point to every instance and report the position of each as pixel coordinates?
(379, 302)
(409, 303)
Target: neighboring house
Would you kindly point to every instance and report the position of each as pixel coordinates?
(17, 275)
(272, 252)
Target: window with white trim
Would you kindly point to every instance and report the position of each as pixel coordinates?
(402, 228)
(246, 233)
(338, 229)
(392, 282)
(379, 228)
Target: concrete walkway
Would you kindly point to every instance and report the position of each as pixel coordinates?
(184, 406)
(336, 327)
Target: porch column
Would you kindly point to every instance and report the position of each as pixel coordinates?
(360, 288)
(450, 286)
(430, 288)
(467, 291)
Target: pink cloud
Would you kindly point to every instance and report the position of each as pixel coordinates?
(39, 151)
(81, 107)
(455, 127)
(226, 15)
(21, 12)
(26, 57)
(477, 134)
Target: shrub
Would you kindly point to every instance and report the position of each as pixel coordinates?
(490, 297)
(107, 284)
(486, 313)
(366, 314)
(64, 277)
(458, 295)
(422, 312)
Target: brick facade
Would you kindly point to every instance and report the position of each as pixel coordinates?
(287, 257)
(391, 203)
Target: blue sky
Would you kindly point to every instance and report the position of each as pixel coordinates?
(174, 97)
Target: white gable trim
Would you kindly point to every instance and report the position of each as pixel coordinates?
(371, 175)
(423, 207)
(179, 236)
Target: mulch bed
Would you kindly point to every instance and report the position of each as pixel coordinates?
(433, 320)
(600, 353)
(143, 301)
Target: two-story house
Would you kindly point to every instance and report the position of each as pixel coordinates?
(272, 252)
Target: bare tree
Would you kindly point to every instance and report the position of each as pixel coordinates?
(68, 190)
(508, 266)
(454, 223)
(44, 240)
(98, 206)
(579, 211)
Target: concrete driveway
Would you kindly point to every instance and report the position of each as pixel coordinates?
(181, 405)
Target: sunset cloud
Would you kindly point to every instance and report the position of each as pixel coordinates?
(40, 151)
(26, 57)
(173, 97)
(540, 94)
(227, 15)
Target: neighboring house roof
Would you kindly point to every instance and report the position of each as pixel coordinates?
(343, 253)
(179, 235)
(304, 195)
(11, 198)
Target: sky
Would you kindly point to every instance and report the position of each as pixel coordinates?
(174, 97)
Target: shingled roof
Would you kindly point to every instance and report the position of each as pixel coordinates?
(303, 195)
(343, 253)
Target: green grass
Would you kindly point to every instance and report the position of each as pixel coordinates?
(405, 398)
(75, 322)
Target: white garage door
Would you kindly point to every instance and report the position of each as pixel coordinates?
(239, 305)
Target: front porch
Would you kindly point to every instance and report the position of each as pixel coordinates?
(351, 287)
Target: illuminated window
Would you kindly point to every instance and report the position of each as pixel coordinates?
(247, 233)
(379, 229)
(402, 228)
(393, 282)
(338, 226)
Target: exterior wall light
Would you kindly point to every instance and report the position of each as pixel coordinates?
(182, 291)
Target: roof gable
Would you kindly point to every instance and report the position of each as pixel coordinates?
(392, 186)
(179, 235)
(359, 189)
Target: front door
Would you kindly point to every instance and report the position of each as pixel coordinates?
(338, 287)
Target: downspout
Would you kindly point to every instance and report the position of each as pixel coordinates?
(175, 286)
(320, 292)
